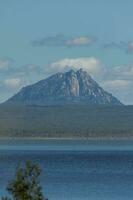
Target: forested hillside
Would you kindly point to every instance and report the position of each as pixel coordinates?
(66, 121)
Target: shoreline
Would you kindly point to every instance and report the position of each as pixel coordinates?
(66, 139)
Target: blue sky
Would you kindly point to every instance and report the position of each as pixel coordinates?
(41, 37)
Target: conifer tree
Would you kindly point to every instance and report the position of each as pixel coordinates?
(26, 184)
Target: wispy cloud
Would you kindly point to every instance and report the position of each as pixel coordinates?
(61, 40)
(130, 47)
(113, 45)
(117, 84)
(13, 77)
(118, 80)
(13, 83)
(126, 46)
(5, 64)
(91, 64)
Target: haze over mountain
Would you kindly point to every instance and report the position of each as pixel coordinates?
(72, 87)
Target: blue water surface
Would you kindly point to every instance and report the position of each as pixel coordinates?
(85, 170)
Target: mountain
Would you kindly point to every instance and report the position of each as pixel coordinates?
(72, 87)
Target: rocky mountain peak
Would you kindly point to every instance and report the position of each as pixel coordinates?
(65, 88)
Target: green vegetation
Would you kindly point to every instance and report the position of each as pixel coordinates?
(71, 121)
(26, 185)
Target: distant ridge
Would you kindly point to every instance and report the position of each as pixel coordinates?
(72, 87)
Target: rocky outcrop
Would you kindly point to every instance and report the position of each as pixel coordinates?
(65, 88)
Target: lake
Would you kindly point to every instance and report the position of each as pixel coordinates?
(74, 169)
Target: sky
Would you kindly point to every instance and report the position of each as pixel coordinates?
(41, 37)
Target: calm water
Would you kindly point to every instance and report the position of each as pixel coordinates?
(74, 169)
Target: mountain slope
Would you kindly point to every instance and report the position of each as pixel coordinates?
(72, 87)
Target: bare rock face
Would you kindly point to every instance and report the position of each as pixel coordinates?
(72, 87)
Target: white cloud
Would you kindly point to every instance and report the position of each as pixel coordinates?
(31, 67)
(5, 64)
(62, 40)
(117, 84)
(130, 47)
(91, 64)
(118, 80)
(80, 41)
(122, 89)
(13, 83)
(122, 72)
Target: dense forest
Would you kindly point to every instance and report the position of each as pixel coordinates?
(80, 121)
